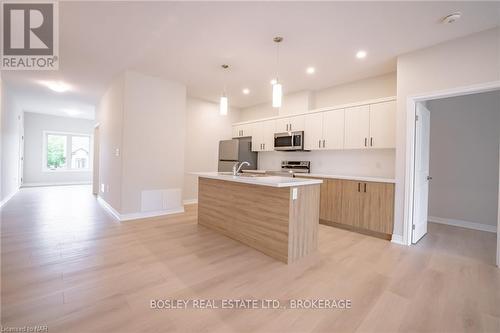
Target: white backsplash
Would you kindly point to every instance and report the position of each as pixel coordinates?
(369, 163)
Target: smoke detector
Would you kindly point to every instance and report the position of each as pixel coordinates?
(452, 17)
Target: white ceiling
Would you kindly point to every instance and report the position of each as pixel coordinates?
(187, 42)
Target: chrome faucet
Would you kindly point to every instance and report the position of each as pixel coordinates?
(237, 167)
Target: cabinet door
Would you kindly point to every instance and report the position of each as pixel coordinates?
(357, 127)
(383, 125)
(268, 129)
(313, 130)
(282, 125)
(257, 136)
(352, 203)
(333, 129)
(333, 205)
(378, 209)
(247, 129)
(236, 131)
(296, 123)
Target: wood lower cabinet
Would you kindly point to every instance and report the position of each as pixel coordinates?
(365, 207)
(330, 209)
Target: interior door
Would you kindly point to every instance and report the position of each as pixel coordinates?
(383, 125)
(421, 181)
(313, 132)
(333, 129)
(357, 127)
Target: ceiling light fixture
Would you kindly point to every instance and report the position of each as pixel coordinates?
(451, 18)
(246, 91)
(361, 54)
(277, 88)
(57, 86)
(310, 70)
(224, 104)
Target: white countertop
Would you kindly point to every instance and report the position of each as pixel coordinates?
(274, 181)
(319, 175)
(357, 178)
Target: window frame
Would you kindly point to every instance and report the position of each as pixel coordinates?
(69, 141)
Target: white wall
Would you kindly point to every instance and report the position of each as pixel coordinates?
(302, 101)
(153, 138)
(110, 118)
(466, 61)
(34, 126)
(142, 142)
(205, 127)
(464, 135)
(362, 90)
(369, 163)
(11, 125)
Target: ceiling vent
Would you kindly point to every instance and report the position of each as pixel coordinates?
(451, 18)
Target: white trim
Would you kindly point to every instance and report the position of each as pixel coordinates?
(7, 198)
(463, 224)
(190, 201)
(328, 108)
(410, 143)
(139, 215)
(56, 184)
(108, 207)
(397, 239)
(69, 140)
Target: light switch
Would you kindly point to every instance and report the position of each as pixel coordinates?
(295, 193)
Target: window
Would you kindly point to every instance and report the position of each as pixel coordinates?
(66, 151)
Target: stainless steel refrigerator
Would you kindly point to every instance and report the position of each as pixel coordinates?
(236, 150)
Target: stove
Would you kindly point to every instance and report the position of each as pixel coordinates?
(291, 168)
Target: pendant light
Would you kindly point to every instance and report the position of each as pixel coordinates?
(224, 105)
(277, 88)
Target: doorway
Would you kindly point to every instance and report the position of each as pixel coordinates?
(451, 159)
(95, 169)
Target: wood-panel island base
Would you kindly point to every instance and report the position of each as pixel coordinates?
(266, 218)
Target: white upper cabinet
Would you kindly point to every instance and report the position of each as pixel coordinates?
(324, 130)
(313, 131)
(366, 126)
(289, 124)
(357, 127)
(240, 131)
(333, 129)
(383, 125)
(263, 135)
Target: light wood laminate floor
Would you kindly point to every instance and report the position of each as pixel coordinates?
(67, 264)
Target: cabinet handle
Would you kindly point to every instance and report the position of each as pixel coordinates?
(319, 143)
(365, 187)
(323, 143)
(359, 187)
(371, 141)
(366, 140)
(264, 146)
(290, 127)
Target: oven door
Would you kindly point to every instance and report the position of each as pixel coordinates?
(289, 141)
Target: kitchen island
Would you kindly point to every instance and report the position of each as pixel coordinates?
(278, 216)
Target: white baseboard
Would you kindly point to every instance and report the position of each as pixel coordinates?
(55, 184)
(7, 198)
(190, 201)
(397, 239)
(135, 216)
(463, 224)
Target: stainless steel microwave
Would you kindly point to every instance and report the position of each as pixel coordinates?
(289, 141)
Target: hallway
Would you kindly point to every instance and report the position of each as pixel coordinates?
(67, 264)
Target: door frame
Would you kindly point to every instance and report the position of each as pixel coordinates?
(410, 147)
(96, 159)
